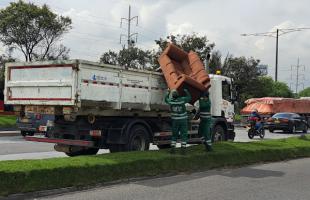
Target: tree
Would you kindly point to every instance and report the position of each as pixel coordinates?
(3, 60)
(33, 30)
(305, 92)
(188, 42)
(133, 57)
(281, 89)
(267, 87)
(109, 57)
(215, 62)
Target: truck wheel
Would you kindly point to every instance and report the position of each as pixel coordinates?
(219, 134)
(138, 139)
(164, 146)
(23, 133)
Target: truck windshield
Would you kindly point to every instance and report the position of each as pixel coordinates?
(226, 91)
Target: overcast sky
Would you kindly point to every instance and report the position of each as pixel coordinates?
(96, 27)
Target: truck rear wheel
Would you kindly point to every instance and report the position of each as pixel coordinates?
(219, 134)
(138, 139)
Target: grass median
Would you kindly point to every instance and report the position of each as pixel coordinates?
(7, 121)
(33, 175)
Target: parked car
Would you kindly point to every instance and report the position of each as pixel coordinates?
(290, 122)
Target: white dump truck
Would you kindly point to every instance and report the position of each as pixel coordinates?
(84, 106)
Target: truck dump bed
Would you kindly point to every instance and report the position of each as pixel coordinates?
(272, 105)
(79, 83)
(184, 70)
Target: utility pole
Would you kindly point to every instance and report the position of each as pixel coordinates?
(277, 42)
(276, 35)
(299, 76)
(129, 34)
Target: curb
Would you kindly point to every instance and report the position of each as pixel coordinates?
(9, 133)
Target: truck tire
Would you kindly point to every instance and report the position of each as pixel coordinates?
(164, 146)
(138, 139)
(23, 133)
(219, 134)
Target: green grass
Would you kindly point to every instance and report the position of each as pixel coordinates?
(33, 175)
(7, 121)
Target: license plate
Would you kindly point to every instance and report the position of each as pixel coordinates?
(42, 128)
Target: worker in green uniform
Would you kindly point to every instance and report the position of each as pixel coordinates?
(179, 117)
(205, 120)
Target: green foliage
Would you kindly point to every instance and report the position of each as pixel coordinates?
(133, 57)
(267, 87)
(33, 30)
(281, 89)
(215, 62)
(244, 73)
(188, 42)
(305, 92)
(3, 60)
(7, 121)
(33, 175)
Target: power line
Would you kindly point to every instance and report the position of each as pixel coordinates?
(276, 35)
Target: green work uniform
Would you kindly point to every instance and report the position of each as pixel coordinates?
(179, 117)
(205, 120)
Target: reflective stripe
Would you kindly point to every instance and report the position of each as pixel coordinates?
(178, 114)
(185, 117)
(203, 117)
(177, 103)
(205, 113)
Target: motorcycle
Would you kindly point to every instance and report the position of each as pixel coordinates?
(254, 130)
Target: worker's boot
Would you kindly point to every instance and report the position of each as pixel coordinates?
(208, 147)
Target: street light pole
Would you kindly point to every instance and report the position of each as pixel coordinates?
(276, 35)
(277, 47)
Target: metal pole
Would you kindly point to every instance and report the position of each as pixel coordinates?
(276, 73)
(297, 76)
(129, 20)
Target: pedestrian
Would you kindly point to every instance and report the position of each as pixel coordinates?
(179, 118)
(205, 120)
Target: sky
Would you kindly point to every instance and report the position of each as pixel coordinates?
(96, 28)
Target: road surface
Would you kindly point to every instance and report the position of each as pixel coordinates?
(275, 181)
(15, 148)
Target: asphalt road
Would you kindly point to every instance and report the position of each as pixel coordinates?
(275, 181)
(15, 147)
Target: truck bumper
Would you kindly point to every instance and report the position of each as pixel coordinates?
(83, 143)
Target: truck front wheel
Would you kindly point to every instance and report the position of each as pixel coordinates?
(219, 134)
